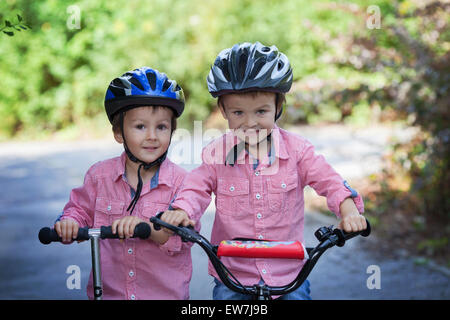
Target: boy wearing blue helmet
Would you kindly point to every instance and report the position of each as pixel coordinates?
(142, 106)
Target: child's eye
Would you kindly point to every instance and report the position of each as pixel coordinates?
(237, 113)
(140, 126)
(162, 127)
(261, 112)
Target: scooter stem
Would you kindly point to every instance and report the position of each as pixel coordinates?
(94, 235)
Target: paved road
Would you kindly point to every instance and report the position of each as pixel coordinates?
(36, 179)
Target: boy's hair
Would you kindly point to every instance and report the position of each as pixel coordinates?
(280, 98)
(116, 120)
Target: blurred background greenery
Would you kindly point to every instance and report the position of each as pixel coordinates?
(347, 69)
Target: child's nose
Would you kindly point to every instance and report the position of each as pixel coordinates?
(151, 134)
(250, 121)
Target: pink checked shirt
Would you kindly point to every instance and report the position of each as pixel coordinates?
(262, 201)
(133, 268)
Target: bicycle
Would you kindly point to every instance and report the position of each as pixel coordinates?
(253, 248)
(48, 235)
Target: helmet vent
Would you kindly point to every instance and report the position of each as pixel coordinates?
(225, 72)
(256, 68)
(151, 77)
(136, 83)
(242, 66)
(265, 49)
(280, 65)
(166, 85)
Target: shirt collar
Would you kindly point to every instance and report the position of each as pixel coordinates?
(277, 149)
(164, 174)
(120, 168)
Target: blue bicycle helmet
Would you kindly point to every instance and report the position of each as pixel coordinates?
(143, 87)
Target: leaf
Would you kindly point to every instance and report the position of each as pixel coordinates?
(9, 33)
(23, 27)
(19, 18)
(8, 23)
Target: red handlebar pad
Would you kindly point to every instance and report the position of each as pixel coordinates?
(262, 249)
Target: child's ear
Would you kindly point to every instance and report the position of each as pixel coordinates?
(118, 136)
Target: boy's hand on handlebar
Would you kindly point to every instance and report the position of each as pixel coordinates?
(176, 217)
(67, 229)
(352, 220)
(125, 226)
(353, 223)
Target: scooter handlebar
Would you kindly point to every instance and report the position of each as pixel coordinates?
(48, 235)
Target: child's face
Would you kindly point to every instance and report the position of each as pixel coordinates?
(251, 116)
(147, 131)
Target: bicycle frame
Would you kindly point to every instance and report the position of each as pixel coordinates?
(327, 238)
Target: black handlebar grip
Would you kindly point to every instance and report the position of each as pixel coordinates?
(106, 233)
(366, 232)
(47, 235)
(142, 231)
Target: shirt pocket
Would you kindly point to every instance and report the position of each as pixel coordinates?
(151, 209)
(280, 190)
(232, 196)
(106, 211)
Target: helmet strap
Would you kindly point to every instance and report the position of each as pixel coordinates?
(233, 154)
(277, 115)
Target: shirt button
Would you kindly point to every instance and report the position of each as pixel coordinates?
(109, 208)
(133, 297)
(256, 173)
(260, 237)
(231, 188)
(283, 185)
(131, 273)
(130, 251)
(258, 196)
(259, 215)
(264, 271)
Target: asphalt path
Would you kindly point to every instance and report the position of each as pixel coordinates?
(36, 179)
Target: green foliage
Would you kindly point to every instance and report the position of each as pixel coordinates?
(9, 28)
(416, 86)
(54, 75)
(412, 54)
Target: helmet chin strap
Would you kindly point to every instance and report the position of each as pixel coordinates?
(146, 165)
(231, 157)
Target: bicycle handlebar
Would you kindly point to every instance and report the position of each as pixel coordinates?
(48, 235)
(327, 236)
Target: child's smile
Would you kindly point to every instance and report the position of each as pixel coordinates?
(252, 116)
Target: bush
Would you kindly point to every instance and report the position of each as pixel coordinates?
(54, 76)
